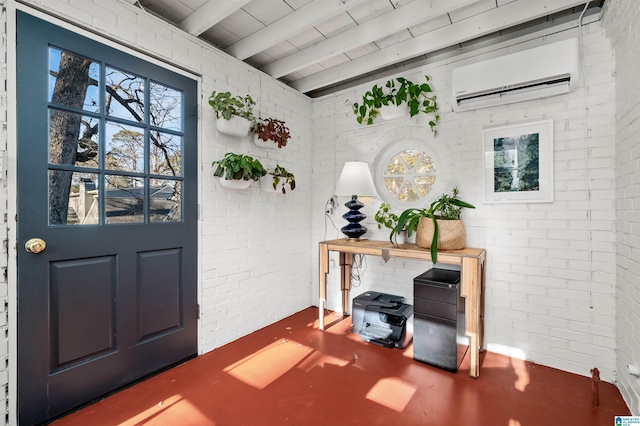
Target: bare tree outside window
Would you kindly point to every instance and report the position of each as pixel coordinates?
(139, 129)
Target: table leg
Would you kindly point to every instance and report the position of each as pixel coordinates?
(346, 260)
(471, 276)
(324, 270)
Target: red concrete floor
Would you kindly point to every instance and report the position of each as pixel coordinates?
(290, 373)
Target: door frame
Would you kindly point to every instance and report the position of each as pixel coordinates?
(8, 163)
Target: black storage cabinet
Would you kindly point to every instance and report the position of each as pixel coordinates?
(439, 321)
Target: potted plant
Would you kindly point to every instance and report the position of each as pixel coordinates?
(384, 217)
(237, 171)
(234, 113)
(438, 227)
(395, 92)
(271, 133)
(279, 178)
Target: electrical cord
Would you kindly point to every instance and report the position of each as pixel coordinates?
(586, 156)
(359, 265)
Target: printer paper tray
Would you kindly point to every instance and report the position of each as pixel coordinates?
(376, 332)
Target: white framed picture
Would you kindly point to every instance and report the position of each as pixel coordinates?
(518, 166)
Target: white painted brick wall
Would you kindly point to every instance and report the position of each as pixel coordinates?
(537, 293)
(621, 23)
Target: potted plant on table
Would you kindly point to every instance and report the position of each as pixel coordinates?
(279, 177)
(384, 217)
(394, 93)
(271, 133)
(234, 113)
(237, 171)
(438, 227)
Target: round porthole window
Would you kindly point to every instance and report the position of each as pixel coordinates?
(407, 173)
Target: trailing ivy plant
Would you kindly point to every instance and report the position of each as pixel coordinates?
(238, 167)
(281, 174)
(418, 97)
(225, 105)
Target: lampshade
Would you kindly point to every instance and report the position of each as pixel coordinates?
(356, 180)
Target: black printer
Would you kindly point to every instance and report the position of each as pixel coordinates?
(382, 319)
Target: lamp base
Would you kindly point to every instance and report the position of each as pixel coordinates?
(354, 230)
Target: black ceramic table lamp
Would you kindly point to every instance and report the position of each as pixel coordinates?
(355, 181)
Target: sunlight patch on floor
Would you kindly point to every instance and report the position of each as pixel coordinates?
(267, 364)
(319, 359)
(392, 392)
(173, 410)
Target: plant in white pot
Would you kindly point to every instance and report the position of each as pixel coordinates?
(438, 227)
(234, 113)
(237, 171)
(277, 180)
(271, 133)
(392, 96)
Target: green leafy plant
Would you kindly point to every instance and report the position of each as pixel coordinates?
(419, 98)
(281, 174)
(270, 129)
(238, 167)
(445, 207)
(225, 105)
(385, 218)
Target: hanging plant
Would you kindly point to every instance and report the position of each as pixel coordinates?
(225, 105)
(282, 175)
(238, 167)
(418, 97)
(270, 129)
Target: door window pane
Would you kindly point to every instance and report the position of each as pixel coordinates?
(165, 154)
(125, 95)
(73, 139)
(124, 147)
(73, 198)
(73, 80)
(165, 200)
(124, 199)
(165, 106)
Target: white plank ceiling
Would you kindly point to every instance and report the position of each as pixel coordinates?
(318, 46)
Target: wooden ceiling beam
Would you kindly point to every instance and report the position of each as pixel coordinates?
(391, 22)
(209, 14)
(508, 15)
(297, 21)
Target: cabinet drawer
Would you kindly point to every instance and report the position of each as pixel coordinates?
(437, 309)
(446, 293)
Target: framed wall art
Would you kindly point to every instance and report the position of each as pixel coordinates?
(518, 166)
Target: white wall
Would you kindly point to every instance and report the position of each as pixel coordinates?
(621, 23)
(254, 247)
(538, 290)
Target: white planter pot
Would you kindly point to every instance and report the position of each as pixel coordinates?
(268, 144)
(266, 183)
(234, 184)
(236, 126)
(394, 112)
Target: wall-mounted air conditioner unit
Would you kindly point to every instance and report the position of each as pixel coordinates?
(536, 73)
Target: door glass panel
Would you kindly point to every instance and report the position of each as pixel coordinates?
(165, 154)
(73, 80)
(165, 200)
(73, 198)
(165, 106)
(124, 147)
(73, 139)
(125, 95)
(124, 199)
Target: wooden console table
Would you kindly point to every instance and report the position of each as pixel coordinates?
(472, 277)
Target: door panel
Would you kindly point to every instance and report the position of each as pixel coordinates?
(82, 309)
(107, 176)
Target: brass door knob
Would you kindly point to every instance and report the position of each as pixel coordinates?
(35, 245)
